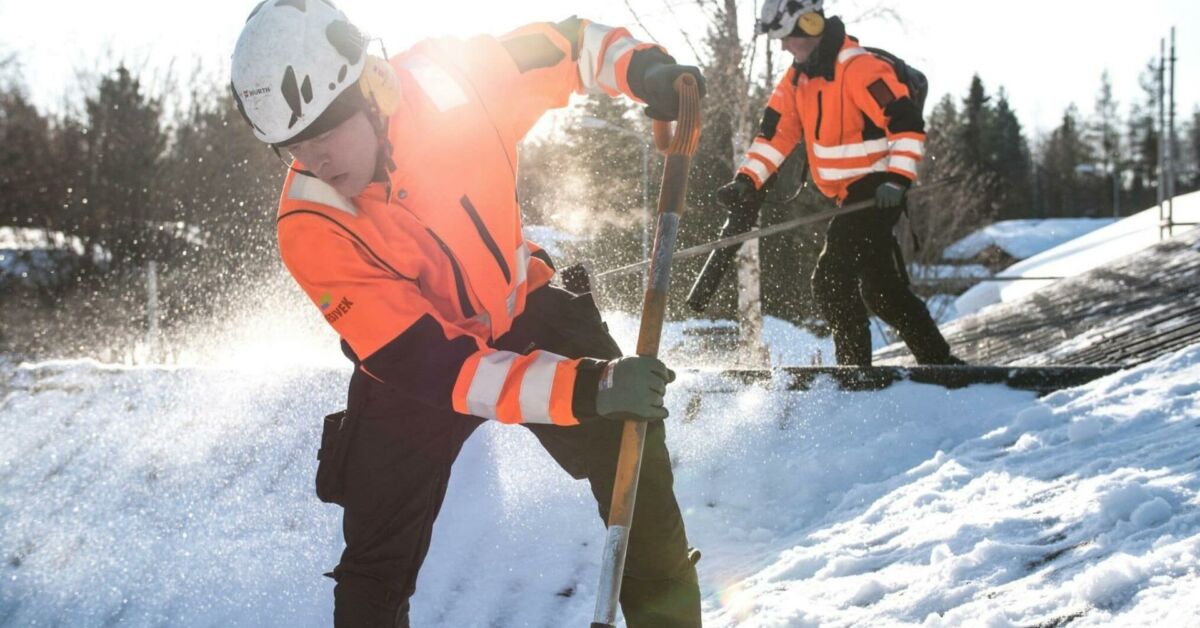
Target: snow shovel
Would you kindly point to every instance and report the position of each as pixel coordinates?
(678, 146)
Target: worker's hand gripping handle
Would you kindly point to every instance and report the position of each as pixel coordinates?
(678, 144)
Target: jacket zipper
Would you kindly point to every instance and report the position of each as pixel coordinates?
(464, 300)
(820, 115)
(487, 238)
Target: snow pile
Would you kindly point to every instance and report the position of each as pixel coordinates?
(1128, 236)
(149, 496)
(1023, 238)
(1083, 507)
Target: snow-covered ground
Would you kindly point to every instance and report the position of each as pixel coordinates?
(1077, 256)
(183, 496)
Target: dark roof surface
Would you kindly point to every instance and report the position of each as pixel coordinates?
(1124, 313)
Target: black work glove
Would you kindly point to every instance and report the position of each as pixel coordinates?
(632, 388)
(889, 195)
(740, 194)
(662, 101)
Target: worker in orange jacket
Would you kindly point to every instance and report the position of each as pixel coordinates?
(864, 136)
(400, 222)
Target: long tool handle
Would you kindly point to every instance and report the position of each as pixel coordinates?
(679, 148)
(701, 249)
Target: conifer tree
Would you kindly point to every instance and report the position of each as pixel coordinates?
(1062, 153)
(975, 121)
(1105, 138)
(1011, 162)
(1141, 144)
(26, 167)
(123, 152)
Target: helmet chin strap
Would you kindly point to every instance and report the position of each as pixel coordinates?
(384, 164)
(279, 154)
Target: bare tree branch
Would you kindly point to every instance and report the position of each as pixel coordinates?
(682, 30)
(637, 18)
(874, 11)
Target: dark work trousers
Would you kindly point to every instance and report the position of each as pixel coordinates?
(861, 262)
(399, 464)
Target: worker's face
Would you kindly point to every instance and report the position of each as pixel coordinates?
(344, 157)
(801, 47)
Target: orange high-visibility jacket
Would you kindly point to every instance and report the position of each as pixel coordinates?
(858, 122)
(420, 282)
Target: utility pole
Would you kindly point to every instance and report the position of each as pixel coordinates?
(1169, 142)
(1162, 63)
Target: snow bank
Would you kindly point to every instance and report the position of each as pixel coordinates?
(1034, 523)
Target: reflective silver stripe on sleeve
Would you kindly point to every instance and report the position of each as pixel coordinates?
(608, 69)
(589, 57)
(906, 164)
(757, 167)
(909, 145)
(536, 386)
(768, 152)
(484, 393)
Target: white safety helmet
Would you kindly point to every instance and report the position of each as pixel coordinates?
(782, 18)
(291, 62)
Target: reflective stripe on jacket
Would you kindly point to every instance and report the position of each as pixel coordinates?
(862, 121)
(420, 282)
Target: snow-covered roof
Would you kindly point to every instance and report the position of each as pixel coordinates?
(1023, 238)
(948, 271)
(1080, 255)
(1124, 312)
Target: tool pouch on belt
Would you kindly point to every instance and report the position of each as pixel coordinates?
(331, 458)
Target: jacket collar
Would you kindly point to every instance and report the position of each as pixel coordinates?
(824, 60)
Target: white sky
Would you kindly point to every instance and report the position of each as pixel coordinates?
(1046, 53)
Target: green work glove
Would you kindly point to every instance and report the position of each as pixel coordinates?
(631, 389)
(662, 101)
(740, 194)
(889, 195)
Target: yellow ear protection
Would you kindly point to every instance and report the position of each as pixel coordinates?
(378, 82)
(811, 24)
(379, 85)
